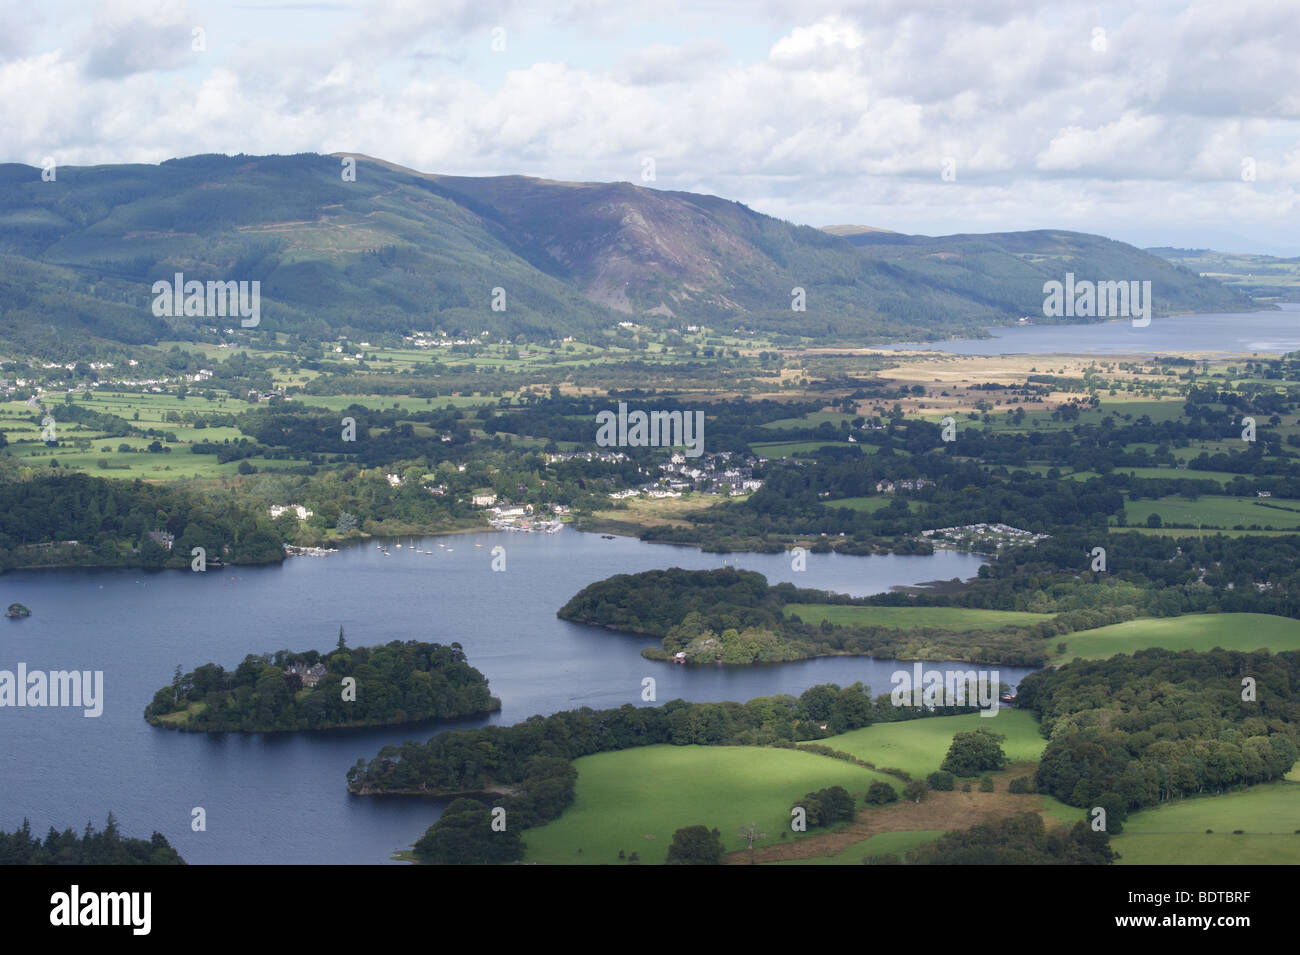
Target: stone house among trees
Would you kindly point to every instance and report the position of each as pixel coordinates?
(310, 675)
(163, 539)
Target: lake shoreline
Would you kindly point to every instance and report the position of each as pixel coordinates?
(157, 723)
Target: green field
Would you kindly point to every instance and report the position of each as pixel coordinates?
(381, 402)
(785, 449)
(1203, 532)
(82, 448)
(811, 420)
(919, 746)
(959, 619)
(1123, 412)
(1268, 815)
(1200, 631)
(635, 799)
(867, 503)
(1166, 474)
(1225, 512)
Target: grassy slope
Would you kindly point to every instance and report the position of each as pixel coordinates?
(1232, 631)
(871, 504)
(1226, 512)
(636, 799)
(919, 746)
(942, 618)
(1269, 816)
(785, 449)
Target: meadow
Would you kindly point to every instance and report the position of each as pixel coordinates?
(786, 449)
(958, 619)
(870, 504)
(1224, 512)
(811, 420)
(635, 799)
(640, 512)
(83, 448)
(1200, 632)
(919, 746)
(1267, 814)
(1166, 474)
(1184, 532)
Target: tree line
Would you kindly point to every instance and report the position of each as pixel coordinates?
(105, 847)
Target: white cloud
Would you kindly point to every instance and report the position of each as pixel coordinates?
(810, 110)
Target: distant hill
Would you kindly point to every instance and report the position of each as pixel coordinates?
(400, 250)
(843, 230)
(1266, 278)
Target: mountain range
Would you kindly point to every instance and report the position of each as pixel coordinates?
(398, 250)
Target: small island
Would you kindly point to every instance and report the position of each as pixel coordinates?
(17, 610)
(389, 685)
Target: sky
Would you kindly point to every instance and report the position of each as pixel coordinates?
(1156, 123)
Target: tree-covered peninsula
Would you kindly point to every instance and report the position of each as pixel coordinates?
(735, 617)
(75, 520)
(364, 686)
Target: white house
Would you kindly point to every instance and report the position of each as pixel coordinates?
(302, 513)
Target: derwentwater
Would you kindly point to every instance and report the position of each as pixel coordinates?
(282, 798)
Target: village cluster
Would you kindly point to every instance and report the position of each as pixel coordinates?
(714, 474)
(981, 537)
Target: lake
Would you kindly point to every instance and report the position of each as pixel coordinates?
(1239, 333)
(283, 798)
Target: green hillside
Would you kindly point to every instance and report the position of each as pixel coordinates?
(1199, 631)
(404, 251)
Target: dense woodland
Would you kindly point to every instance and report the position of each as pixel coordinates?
(1135, 731)
(78, 519)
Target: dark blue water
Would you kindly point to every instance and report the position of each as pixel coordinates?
(274, 799)
(1243, 333)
